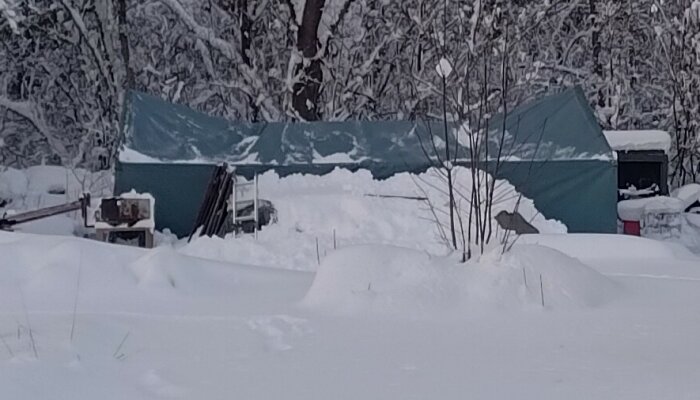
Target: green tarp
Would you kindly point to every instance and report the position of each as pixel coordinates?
(553, 151)
(164, 132)
(581, 193)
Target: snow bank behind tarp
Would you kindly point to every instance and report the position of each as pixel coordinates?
(345, 208)
(387, 280)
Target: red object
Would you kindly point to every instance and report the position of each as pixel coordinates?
(631, 228)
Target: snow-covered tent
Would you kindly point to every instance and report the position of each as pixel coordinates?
(553, 151)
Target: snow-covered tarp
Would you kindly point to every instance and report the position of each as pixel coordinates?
(552, 150)
(557, 127)
(639, 140)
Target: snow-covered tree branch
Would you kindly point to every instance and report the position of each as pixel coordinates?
(8, 11)
(278, 60)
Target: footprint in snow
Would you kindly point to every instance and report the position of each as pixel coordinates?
(156, 385)
(279, 329)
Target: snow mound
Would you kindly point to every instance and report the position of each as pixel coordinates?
(50, 272)
(565, 281)
(389, 280)
(164, 269)
(383, 279)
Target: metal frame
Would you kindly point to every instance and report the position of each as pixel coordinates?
(103, 234)
(235, 202)
(646, 156)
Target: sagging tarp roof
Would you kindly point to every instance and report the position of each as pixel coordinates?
(554, 128)
(169, 147)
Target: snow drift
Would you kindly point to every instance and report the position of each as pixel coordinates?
(383, 279)
(565, 281)
(57, 273)
(395, 281)
(610, 247)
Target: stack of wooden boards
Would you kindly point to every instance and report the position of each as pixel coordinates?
(214, 215)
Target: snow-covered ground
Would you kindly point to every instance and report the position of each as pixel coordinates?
(559, 316)
(376, 322)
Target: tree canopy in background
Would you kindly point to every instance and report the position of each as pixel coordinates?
(66, 64)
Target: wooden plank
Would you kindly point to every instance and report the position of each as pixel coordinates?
(220, 204)
(223, 207)
(212, 203)
(204, 208)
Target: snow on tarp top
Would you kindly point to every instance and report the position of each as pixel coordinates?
(639, 140)
(558, 127)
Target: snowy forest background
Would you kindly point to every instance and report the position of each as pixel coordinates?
(65, 65)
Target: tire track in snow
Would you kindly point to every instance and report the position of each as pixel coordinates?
(651, 276)
(176, 317)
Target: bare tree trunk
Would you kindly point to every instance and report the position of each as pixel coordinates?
(129, 80)
(306, 91)
(238, 10)
(246, 31)
(448, 158)
(596, 47)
